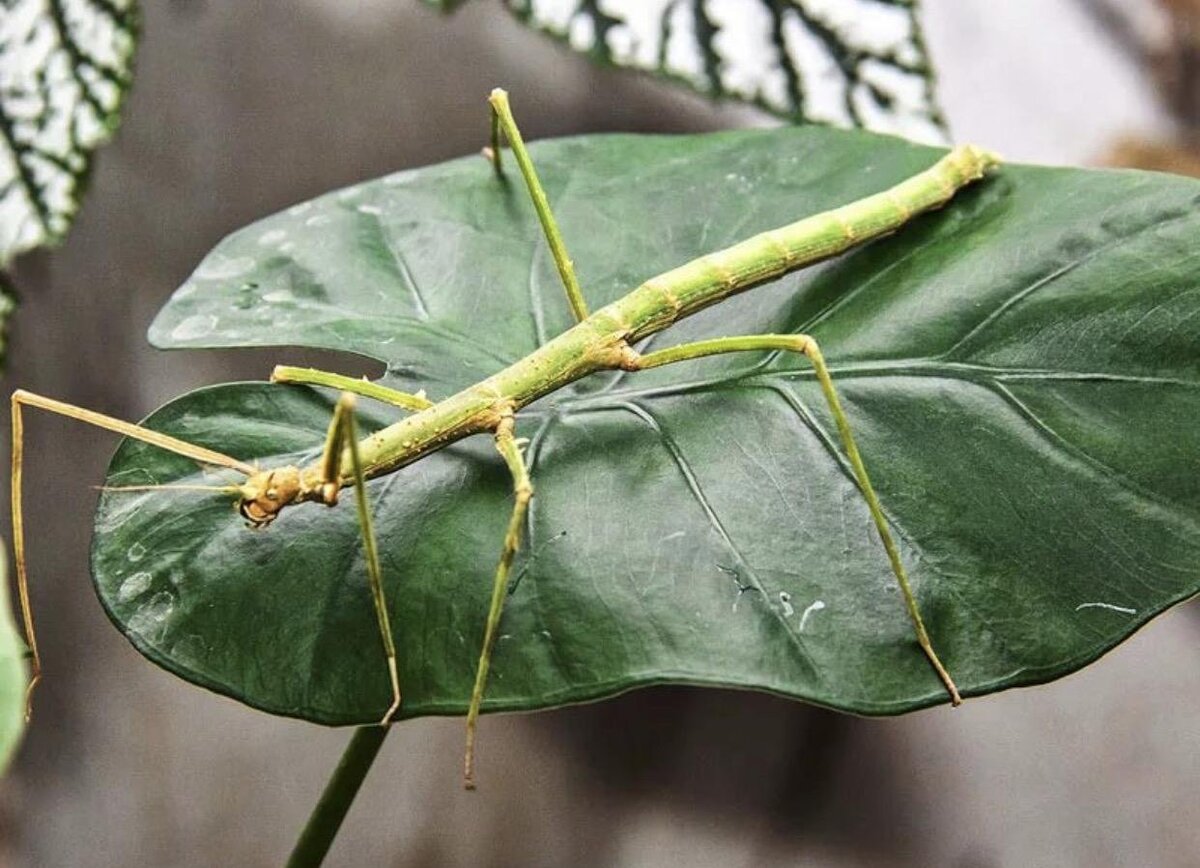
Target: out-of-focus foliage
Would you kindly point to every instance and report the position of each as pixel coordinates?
(850, 63)
(65, 66)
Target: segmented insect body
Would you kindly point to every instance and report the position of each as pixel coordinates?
(599, 341)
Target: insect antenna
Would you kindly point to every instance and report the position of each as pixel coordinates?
(223, 489)
(21, 398)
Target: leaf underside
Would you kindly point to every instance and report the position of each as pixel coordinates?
(1020, 368)
(65, 67)
(850, 63)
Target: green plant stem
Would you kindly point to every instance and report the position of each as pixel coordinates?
(326, 819)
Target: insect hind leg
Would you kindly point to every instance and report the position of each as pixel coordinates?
(807, 346)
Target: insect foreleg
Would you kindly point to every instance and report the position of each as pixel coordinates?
(342, 439)
(806, 345)
(510, 448)
(502, 120)
(22, 398)
(314, 377)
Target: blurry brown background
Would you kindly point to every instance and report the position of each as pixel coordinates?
(241, 108)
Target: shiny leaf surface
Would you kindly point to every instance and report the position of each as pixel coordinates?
(1021, 369)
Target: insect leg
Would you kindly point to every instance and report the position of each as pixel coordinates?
(21, 398)
(314, 377)
(806, 345)
(343, 437)
(503, 121)
(510, 449)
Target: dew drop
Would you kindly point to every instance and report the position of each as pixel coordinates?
(151, 617)
(246, 296)
(195, 326)
(190, 649)
(134, 586)
(136, 552)
(219, 267)
(785, 600)
(274, 236)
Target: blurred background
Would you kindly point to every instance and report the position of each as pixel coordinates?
(240, 109)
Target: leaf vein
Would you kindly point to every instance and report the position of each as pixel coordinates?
(702, 500)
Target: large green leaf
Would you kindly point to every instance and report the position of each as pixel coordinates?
(855, 63)
(1021, 368)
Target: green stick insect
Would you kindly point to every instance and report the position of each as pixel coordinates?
(602, 340)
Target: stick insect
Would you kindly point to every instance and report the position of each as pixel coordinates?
(601, 340)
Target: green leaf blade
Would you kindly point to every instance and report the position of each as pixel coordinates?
(1019, 369)
(14, 674)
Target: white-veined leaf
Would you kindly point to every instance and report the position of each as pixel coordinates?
(65, 66)
(849, 63)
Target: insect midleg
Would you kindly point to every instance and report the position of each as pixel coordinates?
(510, 448)
(503, 121)
(22, 398)
(808, 346)
(315, 377)
(342, 440)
